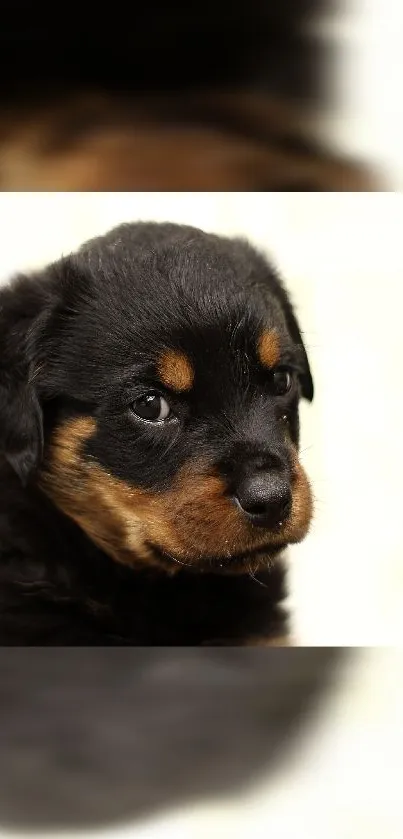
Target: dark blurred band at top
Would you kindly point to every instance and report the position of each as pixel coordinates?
(83, 84)
(160, 45)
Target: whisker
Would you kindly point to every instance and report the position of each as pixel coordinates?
(169, 446)
(252, 576)
(306, 449)
(179, 561)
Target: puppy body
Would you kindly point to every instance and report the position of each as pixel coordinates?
(149, 389)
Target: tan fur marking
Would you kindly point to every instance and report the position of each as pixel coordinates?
(261, 641)
(268, 348)
(253, 641)
(175, 370)
(192, 520)
(128, 144)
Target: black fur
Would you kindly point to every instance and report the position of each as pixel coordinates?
(82, 338)
(93, 737)
(162, 45)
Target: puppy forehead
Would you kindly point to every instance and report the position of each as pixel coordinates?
(184, 337)
(180, 307)
(218, 356)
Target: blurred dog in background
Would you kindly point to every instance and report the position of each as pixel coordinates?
(212, 95)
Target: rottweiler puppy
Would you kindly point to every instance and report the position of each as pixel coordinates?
(150, 480)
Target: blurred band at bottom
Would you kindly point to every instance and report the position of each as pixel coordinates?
(95, 737)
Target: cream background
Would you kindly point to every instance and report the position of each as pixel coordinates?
(366, 112)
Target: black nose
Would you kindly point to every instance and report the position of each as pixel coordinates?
(265, 499)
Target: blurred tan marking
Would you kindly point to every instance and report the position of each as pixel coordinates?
(100, 142)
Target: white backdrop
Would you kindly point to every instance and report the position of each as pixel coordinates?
(366, 114)
(342, 256)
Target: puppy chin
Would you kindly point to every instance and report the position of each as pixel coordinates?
(251, 563)
(246, 562)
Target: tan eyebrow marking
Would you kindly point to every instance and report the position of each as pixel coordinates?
(175, 370)
(268, 348)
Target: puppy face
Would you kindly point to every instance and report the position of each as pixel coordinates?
(167, 366)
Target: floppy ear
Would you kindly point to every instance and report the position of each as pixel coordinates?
(277, 288)
(306, 379)
(268, 280)
(21, 429)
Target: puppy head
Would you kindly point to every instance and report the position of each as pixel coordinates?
(154, 380)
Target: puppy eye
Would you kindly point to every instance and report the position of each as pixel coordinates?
(282, 380)
(151, 407)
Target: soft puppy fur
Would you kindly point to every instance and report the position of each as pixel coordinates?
(149, 390)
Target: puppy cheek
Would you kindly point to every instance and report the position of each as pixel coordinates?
(196, 519)
(202, 519)
(302, 506)
(193, 519)
(103, 507)
(104, 511)
(190, 519)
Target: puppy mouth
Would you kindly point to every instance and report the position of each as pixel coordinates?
(245, 562)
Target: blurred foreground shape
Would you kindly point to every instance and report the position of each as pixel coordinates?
(94, 736)
(204, 96)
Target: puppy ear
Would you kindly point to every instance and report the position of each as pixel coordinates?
(307, 387)
(21, 427)
(269, 282)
